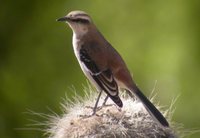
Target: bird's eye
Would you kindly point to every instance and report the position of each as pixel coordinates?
(85, 21)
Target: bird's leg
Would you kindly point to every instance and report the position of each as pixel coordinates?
(96, 104)
(105, 100)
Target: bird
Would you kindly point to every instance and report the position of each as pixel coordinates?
(103, 65)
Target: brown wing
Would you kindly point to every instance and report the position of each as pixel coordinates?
(104, 78)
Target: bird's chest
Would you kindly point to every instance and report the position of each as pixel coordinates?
(76, 46)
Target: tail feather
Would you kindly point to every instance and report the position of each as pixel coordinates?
(117, 100)
(153, 111)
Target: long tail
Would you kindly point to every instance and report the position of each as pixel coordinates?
(153, 111)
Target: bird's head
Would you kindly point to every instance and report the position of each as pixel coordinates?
(79, 21)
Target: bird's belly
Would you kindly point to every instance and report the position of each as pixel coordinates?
(88, 75)
(84, 68)
(86, 72)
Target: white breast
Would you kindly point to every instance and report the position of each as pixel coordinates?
(77, 47)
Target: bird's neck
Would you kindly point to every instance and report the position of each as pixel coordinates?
(86, 36)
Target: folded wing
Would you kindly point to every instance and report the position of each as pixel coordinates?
(103, 78)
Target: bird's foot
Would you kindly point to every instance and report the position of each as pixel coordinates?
(94, 110)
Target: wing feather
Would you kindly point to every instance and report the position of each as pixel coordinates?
(104, 79)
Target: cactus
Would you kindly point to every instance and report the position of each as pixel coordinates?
(131, 121)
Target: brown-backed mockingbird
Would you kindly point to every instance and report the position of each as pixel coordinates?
(102, 64)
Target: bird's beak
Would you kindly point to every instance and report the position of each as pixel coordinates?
(63, 19)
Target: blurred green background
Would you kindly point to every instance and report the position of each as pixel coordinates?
(159, 40)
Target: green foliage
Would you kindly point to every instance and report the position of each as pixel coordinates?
(159, 40)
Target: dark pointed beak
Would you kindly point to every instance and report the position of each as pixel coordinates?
(63, 19)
